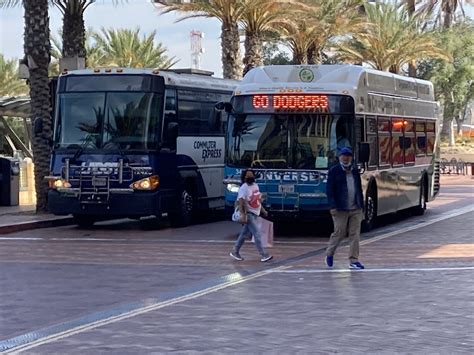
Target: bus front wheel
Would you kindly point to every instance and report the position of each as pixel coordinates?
(182, 217)
(370, 214)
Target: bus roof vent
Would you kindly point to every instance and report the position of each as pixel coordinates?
(190, 71)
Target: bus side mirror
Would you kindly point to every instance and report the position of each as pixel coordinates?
(364, 152)
(224, 106)
(173, 129)
(215, 119)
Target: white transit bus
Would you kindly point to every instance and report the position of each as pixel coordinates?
(137, 142)
(288, 122)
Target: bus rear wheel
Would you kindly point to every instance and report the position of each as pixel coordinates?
(184, 213)
(370, 214)
(421, 208)
(83, 220)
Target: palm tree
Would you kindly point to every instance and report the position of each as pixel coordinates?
(259, 18)
(74, 32)
(10, 84)
(391, 40)
(37, 47)
(443, 10)
(315, 28)
(229, 13)
(125, 48)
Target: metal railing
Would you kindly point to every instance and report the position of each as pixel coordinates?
(455, 166)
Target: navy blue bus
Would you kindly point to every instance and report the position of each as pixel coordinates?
(137, 142)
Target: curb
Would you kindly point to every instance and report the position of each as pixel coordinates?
(46, 223)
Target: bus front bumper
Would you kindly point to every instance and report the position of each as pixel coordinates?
(116, 204)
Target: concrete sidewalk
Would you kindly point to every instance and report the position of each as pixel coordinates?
(18, 218)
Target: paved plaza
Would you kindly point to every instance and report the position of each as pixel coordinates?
(120, 289)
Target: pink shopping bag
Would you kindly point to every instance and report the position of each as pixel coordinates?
(266, 231)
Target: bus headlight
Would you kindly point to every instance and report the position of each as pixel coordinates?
(59, 184)
(233, 188)
(148, 183)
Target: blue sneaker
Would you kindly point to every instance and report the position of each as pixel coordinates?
(356, 266)
(329, 260)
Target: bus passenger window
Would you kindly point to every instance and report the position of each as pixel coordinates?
(409, 141)
(384, 150)
(385, 146)
(420, 138)
(430, 137)
(373, 158)
(430, 145)
(397, 151)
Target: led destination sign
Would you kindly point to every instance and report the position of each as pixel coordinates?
(291, 102)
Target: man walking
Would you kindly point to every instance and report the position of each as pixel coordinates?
(344, 192)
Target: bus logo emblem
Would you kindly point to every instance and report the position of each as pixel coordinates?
(306, 75)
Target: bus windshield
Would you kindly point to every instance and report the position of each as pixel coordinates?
(108, 120)
(287, 141)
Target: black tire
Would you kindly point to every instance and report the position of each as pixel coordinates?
(84, 220)
(183, 216)
(421, 208)
(370, 211)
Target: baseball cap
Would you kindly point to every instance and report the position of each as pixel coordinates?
(346, 151)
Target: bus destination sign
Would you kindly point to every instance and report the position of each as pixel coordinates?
(298, 102)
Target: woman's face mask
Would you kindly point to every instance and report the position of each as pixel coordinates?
(250, 180)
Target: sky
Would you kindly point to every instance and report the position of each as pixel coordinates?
(133, 14)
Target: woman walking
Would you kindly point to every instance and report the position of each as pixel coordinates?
(249, 201)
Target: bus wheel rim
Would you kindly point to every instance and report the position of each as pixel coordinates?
(188, 202)
(370, 209)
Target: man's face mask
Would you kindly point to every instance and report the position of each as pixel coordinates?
(346, 161)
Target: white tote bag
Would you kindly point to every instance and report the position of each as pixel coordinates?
(266, 231)
(236, 216)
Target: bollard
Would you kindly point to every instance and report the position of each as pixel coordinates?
(27, 183)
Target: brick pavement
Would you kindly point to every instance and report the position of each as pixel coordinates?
(306, 311)
(313, 311)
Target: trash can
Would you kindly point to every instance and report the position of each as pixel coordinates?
(9, 181)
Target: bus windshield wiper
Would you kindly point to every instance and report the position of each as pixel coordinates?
(83, 146)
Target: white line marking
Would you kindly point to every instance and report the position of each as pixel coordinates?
(73, 331)
(326, 271)
(459, 212)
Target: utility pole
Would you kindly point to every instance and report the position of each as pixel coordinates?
(196, 48)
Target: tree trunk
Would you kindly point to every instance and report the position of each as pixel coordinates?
(300, 57)
(37, 47)
(253, 51)
(74, 31)
(412, 69)
(412, 65)
(448, 115)
(230, 45)
(411, 7)
(314, 55)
